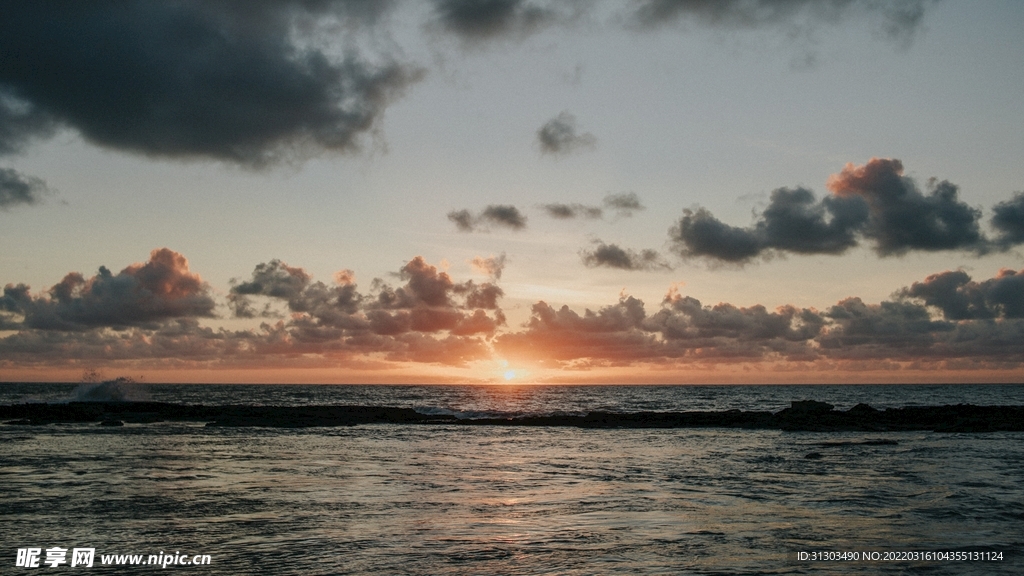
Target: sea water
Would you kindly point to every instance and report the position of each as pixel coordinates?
(413, 499)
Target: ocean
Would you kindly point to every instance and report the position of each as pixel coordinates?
(450, 499)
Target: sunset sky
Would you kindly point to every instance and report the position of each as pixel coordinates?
(655, 191)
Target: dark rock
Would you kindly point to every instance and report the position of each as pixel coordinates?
(810, 407)
(807, 415)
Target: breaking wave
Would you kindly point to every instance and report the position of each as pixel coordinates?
(121, 389)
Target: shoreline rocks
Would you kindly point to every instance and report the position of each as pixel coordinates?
(802, 415)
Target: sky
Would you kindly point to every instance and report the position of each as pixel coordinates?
(522, 191)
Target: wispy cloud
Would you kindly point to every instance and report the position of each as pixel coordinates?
(17, 188)
(612, 256)
(561, 136)
(500, 215)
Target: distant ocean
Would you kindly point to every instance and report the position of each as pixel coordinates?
(410, 499)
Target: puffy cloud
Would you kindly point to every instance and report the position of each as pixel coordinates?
(898, 333)
(793, 222)
(429, 302)
(612, 334)
(16, 188)
(501, 215)
(699, 234)
(149, 313)
(1008, 220)
(873, 202)
(902, 217)
(492, 265)
(242, 82)
(161, 289)
(275, 279)
(612, 256)
(560, 135)
(960, 298)
(153, 308)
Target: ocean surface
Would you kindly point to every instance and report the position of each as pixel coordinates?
(410, 499)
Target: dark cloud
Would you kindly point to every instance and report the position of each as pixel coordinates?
(486, 19)
(571, 211)
(1008, 220)
(874, 202)
(900, 19)
(960, 298)
(612, 256)
(560, 136)
(624, 204)
(699, 234)
(236, 81)
(902, 217)
(142, 294)
(501, 215)
(16, 188)
(20, 122)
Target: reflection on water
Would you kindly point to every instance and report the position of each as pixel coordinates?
(485, 500)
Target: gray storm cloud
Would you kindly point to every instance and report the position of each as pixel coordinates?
(260, 82)
(227, 80)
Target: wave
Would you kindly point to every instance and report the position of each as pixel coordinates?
(121, 389)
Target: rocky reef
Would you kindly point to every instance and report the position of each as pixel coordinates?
(807, 415)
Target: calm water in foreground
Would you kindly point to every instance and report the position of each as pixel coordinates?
(388, 499)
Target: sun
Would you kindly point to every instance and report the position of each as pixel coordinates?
(509, 375)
